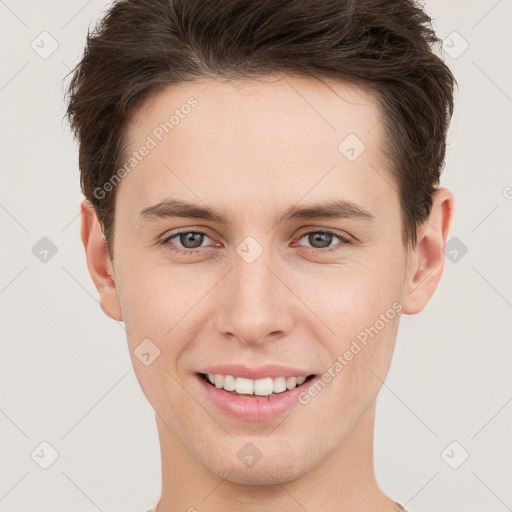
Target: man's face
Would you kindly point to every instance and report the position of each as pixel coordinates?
(254, 290)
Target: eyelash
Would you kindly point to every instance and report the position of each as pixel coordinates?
(191, 252)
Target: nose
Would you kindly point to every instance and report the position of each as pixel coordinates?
(256, 305)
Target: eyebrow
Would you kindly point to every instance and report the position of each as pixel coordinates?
(332, 209)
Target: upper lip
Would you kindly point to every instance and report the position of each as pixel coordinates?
(260, 372)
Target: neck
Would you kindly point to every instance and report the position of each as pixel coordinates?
(345, 481)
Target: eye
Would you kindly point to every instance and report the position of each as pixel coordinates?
(321, 240)
(191, 241)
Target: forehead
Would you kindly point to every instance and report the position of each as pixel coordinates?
(279, 137)
(270, 109)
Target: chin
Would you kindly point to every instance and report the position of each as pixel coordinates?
(276, 469)
(268, 474)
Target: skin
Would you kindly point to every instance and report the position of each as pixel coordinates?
(251, 149)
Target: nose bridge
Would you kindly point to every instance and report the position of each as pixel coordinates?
(254, 305)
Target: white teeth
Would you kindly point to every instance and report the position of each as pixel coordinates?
(260, 387)
(219, 381)
(263, 387)
(229, 383)
(279, 384)
(244, 386)
(291, 382)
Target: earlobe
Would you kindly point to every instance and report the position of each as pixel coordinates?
(427, 260)
(98, 261)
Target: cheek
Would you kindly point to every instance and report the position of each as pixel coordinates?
(161, 303)
(360, 306)
(353, 297)
(148, 293)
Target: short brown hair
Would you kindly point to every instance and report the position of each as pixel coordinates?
(386, 46)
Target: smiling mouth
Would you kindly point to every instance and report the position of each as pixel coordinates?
(241, 386)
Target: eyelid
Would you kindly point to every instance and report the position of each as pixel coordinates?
(344, 239)
(343, 236)
(168, 236)
(333, 231)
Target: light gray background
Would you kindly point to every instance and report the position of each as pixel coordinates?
(65, 373)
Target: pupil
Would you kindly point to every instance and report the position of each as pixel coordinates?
(191, 240)
(320, 237)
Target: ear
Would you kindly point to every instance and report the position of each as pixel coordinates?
(98, 261)
(426, 261)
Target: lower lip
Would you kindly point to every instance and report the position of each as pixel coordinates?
(259, 408)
